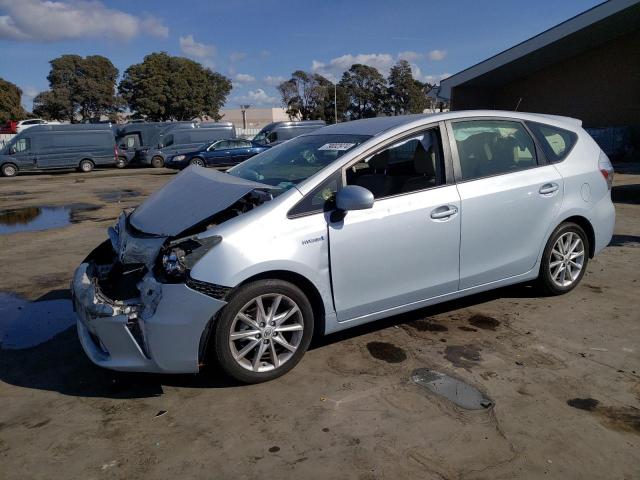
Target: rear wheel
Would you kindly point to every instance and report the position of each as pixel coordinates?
(197, 161)
(263, 331)
(157, 162)
(85, 166)
(564, 260)
(9, 170)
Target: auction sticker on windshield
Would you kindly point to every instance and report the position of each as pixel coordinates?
(336, 146)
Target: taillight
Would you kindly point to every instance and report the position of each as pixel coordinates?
(606, 169)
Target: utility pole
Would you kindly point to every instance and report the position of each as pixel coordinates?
(335, 102)
(244, 109)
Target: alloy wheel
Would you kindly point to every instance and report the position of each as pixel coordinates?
(567, 259)
(266, 332)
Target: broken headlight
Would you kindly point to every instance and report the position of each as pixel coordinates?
(179, 256)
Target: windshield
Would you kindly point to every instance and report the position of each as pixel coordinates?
(294, 161)
(260, 138)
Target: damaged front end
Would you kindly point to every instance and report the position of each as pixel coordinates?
(138, 308)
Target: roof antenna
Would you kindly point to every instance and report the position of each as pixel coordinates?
(519, 100)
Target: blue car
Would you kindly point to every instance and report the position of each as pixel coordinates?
(221, 153)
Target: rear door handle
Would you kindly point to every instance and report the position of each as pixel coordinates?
(548, 188)
(444, 211)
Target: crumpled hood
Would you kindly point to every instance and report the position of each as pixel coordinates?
(194, 195)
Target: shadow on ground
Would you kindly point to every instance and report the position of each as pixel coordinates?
(626, 194)
(60, 365)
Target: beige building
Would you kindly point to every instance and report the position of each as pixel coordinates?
(256, 118)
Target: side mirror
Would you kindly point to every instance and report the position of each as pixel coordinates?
(354, 197)
(12, 150)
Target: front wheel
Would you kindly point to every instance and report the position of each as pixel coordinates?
(197, 161)
(121, 162)
(157, 162)
(9, 170)
(85, 166)
(263, 331)
(564, 260)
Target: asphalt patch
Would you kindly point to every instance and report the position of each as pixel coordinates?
(463, 356)
(484, 322)
(451, 388)
(114, 196)
(626, 419)
(386, 352)
(427, 326)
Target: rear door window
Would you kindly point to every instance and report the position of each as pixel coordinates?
(493, 147)
(556, 142)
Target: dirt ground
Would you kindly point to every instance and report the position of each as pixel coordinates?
(563, 374)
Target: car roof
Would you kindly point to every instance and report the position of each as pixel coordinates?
(378, 125)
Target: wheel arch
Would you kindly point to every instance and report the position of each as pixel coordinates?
(585, 224)
(300, 281)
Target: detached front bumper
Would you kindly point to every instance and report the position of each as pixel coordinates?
(160, 331)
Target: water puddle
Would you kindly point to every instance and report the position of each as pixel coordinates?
(459, 392)
(36, 219)
(116, 196)
(33, 219)
(25, 324)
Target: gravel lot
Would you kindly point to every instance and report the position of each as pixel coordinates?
(563, 374)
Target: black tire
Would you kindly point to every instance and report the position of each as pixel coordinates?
(157, 162)
(85, 166)
(222, 353)
(197, 161)
(545, 281)
(121, 162)
(9, 170)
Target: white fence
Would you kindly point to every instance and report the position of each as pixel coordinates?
(5, 137)
(247, 133)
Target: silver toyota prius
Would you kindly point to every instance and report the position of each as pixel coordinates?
(339, 227)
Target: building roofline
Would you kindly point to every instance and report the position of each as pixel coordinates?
(553, 34)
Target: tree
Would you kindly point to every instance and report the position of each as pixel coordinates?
(366, 91)
(10, 102)
(79, 87)
(164, 87)
(310, 96)
(405, 94)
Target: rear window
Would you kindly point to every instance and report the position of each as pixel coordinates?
(556, 142)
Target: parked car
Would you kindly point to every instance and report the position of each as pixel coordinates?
(32, 122)
(134, 138)
(339, 227)
(52, 147)
(221, 153)
(171, 142)
(277, 132)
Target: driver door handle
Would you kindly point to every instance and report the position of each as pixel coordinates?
(548, 188)
(444, 211)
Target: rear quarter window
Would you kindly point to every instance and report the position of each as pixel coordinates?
(555, 142)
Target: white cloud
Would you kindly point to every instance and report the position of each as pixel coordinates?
(257, 98)
(409, 56)
(237, 56)
(244, 78)
(333, 70)
(29, 92)
(432, 79)
(36, 20)
(194, 49)
(437, 55)
(274, 81)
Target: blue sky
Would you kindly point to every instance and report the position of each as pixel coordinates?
(259, 43)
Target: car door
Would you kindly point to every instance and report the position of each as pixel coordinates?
(405, 248)
(242, 150)
(510, 197)
(24, 150)
(221, 153)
